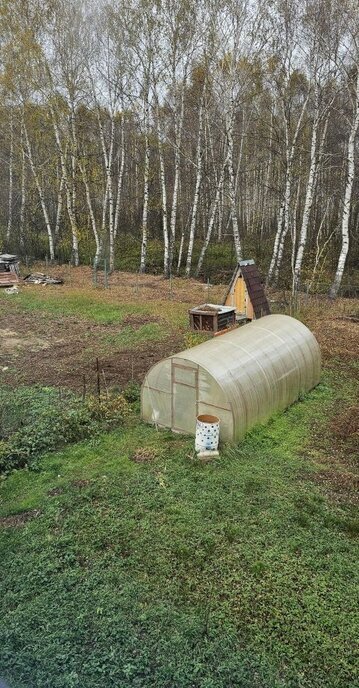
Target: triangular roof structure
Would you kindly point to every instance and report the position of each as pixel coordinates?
(254, 287)
(8, 258)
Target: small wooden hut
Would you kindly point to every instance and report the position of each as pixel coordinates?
(9, 270)
(246, 292)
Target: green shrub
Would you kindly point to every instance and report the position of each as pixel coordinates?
(54, 425)
(132, 392)
(193, 338)
(109, 410)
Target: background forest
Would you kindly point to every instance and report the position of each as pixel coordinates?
(155, 134)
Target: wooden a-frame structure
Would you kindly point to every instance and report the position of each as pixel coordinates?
(246, 292)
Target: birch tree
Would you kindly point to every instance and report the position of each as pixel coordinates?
(199, 169)
(11, 173)
(63, 58)
(349, 182)
(178, 24)
(319, 47)
(350, 68)
(289, 83)
(40, 191)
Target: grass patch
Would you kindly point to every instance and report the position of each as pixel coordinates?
(92, 305)
(37, 420)
(129, 336)
(166, 572)
(80, 304)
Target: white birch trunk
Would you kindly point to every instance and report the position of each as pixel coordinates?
(179, 128)
(276, 243)
(137, 195)
(212, 219)
(283, 226)
(59, 206)
(308, 202)
(333, 292)
(73, 163)
(232, 191)
(146, 179)
(180, 251)
(11, 183)
(108, 195)
(199, 165)
(92, 215)
(220, 217)
(120, 179)
(23, 192)
(294, 224)
(110, 198)
(166, 240)
(69, 194)
(41, 194)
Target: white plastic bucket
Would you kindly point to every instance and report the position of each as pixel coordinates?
(207, 433)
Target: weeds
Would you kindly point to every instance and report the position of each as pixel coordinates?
(126, 563)
(37, 421)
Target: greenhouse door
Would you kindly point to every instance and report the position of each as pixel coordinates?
(184, 397)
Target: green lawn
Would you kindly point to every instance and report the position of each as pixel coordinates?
(90, 305)
(173, 574)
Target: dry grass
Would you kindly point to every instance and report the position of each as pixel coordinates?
(130, 287)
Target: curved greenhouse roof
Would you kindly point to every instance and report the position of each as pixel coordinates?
(243, 377)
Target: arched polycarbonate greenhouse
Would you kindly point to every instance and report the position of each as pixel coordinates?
(243, 377)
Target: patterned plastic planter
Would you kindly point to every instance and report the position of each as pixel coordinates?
(207, 433)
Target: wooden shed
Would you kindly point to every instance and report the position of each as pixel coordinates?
(246, 292)
(9, 270)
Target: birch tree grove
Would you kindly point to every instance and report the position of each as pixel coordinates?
(183, 136)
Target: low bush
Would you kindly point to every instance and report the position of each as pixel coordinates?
(57, 422)
(132, 392)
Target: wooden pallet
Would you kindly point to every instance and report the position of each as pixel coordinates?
(8, 279)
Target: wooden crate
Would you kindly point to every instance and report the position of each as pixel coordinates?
(8, 277)
(210, 317)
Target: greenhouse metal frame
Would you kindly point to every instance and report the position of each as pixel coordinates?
(243, 377)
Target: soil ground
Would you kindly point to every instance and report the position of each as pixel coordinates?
(128, 562)
(45, 348)
(54, 347)
(64, 351)
(39, 347)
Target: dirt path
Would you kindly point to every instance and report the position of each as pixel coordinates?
(38, 347)
(41, 348)
(63, 352)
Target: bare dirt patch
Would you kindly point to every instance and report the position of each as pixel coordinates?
(133, 364)
(80, 483)
(126, 286)
(144, 456)
(340, 487)
(336, 332)
(13, 342)
(69, 348)
(137, 320)
(346, 426)
(55, 491)
(61, 351)
(18, 519)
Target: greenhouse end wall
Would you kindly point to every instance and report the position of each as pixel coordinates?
(243, 377)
